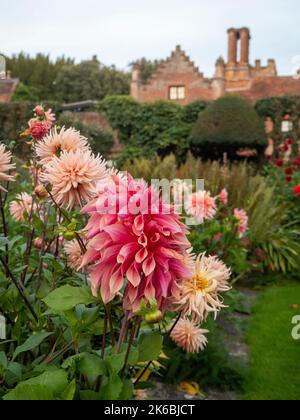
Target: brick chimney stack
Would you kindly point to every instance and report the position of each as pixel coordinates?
(135, 81)
(245, 45)
(232, 45)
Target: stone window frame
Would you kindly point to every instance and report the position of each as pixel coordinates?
(177, 92)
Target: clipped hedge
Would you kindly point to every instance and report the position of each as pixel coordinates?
(226, 126)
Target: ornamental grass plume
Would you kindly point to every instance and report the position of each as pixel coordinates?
(74, 254)
(5, 165)
(203, 206)
(22, 205)
(200, 293)
(74, 176)
(188, 336)
(243, 221)
(57, 142)
(136, 241)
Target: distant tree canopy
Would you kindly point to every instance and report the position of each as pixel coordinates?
(64, 81)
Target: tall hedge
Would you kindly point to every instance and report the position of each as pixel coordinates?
(226, 126)
(147, 129)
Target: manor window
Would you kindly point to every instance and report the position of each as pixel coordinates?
(286, 126)
(177, 93)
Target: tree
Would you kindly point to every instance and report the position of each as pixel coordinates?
(147, 67)
(227, 126)
(90, 80)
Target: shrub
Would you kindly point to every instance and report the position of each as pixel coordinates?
(101, 140)
(121, 112)
(226, 126)
(191, 111)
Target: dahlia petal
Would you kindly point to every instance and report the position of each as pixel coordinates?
(133, 275)
(149, 265)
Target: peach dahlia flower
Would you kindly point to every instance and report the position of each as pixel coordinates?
(74, 254)
(200, 295)
(5, 165)
(57, 142)
(203, 206)
(23, 204)
(74, 176)
(189, 336)
(243, 220)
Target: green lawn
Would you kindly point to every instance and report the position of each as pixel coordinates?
(274, 355)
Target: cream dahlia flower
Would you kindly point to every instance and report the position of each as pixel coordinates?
(200, 295)
(74, 177)
(74, 254)
(189, 336)
(22, 205)
(5, 165)
(57, 142)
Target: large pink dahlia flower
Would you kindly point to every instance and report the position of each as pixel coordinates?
(135, 241)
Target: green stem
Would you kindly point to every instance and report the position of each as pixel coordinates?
(20, 289)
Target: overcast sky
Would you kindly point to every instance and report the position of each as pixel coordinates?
(120, 31)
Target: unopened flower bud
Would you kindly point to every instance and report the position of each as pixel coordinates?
(154, 317)
(39, 111)
(41, 191)
(38, 243)
(69, 236)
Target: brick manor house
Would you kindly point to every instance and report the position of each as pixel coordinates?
(178, 79)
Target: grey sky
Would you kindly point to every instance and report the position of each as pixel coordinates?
(119, 31)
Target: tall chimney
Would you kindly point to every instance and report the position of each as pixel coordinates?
(232, 45)
(245, 43)
(135, 81)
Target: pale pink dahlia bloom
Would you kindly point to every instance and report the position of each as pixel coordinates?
(49, 118)
(74, 176)
(200, 294)
(203, 206)
(5, 165)
(188, 336)
(57, 142)
(74, 254)
(243, 220)
(23, 204)
(223, 197)
(137, 241)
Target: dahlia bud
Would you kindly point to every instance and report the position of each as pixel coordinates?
(41, 192)
(38, 243)
(39, 111)
(69, 235)
(154, 317)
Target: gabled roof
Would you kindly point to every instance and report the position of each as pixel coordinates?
(178, 52)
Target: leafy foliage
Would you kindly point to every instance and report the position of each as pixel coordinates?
(101, 140)
(226, 126)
